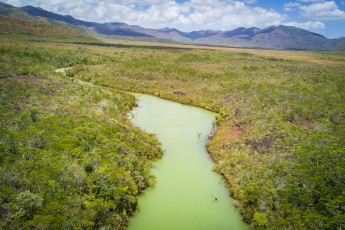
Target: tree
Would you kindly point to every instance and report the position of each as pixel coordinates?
(26, 204)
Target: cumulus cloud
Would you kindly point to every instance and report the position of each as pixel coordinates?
(313, 26)
(291, 6)
(323, 11)
(190, 15)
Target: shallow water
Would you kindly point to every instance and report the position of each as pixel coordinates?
(187, 193)
(63, 70)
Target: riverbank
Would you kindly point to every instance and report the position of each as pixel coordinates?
(280, 139)
(70, 157)
(187, 145)
(187, 193)
(269, 133)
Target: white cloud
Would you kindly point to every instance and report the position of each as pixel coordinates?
(291, 6)
(322, 11)
(313, 26)
(191, 15)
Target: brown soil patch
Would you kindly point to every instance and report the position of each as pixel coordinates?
(33, 79)
(304, 123)
(307, 124)
(179, 93)
(233, 134)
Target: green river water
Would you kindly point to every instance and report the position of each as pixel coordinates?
(187, 193)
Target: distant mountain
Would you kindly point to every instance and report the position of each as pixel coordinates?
(275, 37)
(37, 14)
(241, 31)
(202, 34)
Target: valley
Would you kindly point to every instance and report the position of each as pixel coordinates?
(71, 158)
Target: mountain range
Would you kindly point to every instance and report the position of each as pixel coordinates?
(273, 37)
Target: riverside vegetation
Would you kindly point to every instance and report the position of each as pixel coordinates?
(71, 159)
(280, 142)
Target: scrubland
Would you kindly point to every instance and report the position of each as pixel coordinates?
(70, 153)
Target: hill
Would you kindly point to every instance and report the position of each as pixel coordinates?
(44, 31)
(273, 37)
(37, 14)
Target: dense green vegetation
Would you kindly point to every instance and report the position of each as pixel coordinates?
(280, 143)
(70, 159)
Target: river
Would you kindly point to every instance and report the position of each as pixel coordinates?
(187, 193)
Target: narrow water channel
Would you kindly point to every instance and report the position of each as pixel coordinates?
(187, 193)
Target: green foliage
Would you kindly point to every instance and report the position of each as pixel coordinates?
(70, 159)
(30, 60)
(285, 165)
(260, 219)
(25, 206)
(33, 115)
(279, 144)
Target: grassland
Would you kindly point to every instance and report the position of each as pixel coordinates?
(280, 139)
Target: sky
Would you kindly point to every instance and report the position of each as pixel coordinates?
(322, 16)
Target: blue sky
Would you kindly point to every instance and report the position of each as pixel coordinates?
(322, 16)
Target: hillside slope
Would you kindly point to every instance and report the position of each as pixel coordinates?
(12, 26)
(37, 14)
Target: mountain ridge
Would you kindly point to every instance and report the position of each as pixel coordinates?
(275, 37)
